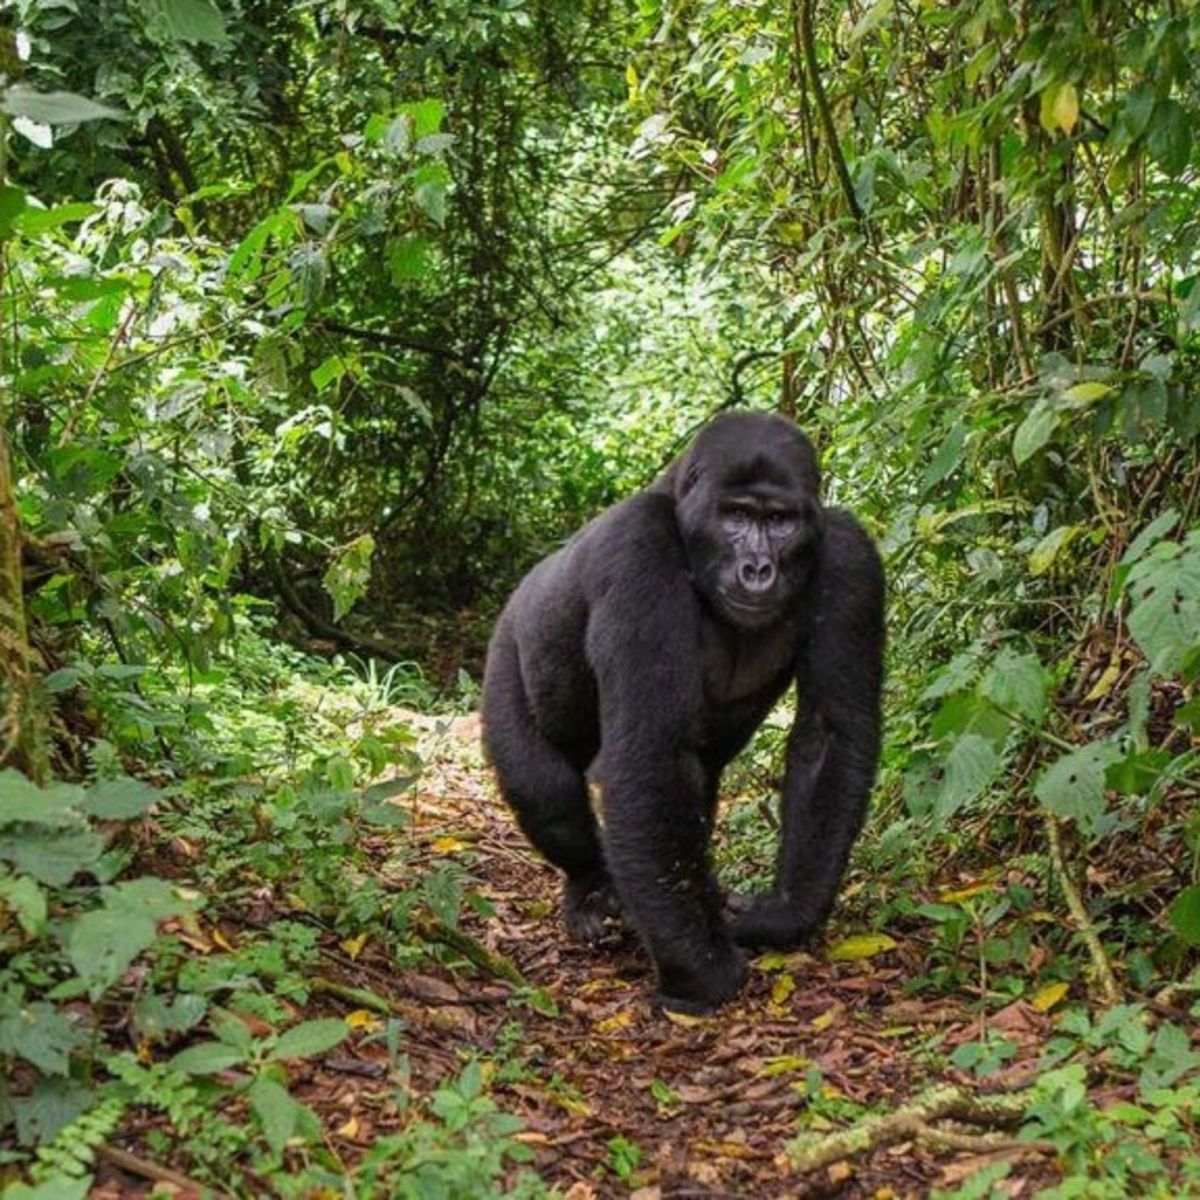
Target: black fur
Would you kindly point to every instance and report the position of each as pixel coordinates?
(647, 651)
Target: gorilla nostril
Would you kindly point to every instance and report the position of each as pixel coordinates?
(757, 576)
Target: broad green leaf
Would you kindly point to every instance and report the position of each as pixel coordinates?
(21, 896)
(57, 1187)
(196, 21)
(1185, 914)
(33, 222)
(119, 799)
(23, 801)
(860, 945)
(1017, 682)
(426, 116)
(408, 258)
(1073, 786)
(1046, 552)
(1164, 614)
(103, 943)
(347, 577)
(309, 1038)
(206, 1058)
(1149, 534)
(12, 204)
(53, 856)
(42, 1035)
(969, 767)
(276, 1111)
(1169, 138)
(1034, 432)
(55, 108)
(333, 368)
(1088, 392)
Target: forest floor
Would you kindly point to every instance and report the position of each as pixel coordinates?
(619, 1100)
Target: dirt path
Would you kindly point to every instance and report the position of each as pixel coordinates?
(616, 1098)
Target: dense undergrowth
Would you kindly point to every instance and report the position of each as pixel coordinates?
(322, 322)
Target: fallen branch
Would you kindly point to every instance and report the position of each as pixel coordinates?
(430, 929)
(143, 1168)
(911, 1121)
(1110, 991)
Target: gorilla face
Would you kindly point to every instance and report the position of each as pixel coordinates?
(748, 508)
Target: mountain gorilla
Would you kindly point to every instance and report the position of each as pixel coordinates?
(646, 651)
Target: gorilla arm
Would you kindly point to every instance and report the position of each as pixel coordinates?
(833, 748)
(643, 645)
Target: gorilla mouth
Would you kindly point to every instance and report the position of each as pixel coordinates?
(746, 611)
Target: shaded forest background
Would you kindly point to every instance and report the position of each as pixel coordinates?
(320, 323)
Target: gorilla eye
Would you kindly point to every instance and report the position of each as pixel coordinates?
(736, 520)
(781, 524)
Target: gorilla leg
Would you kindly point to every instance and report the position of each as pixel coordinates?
(548, 795)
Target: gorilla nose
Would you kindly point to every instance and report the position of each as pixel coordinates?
(757, 575)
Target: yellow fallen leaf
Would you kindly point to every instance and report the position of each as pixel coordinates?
(349, 1128)
(353, 946)
(839, 1172)
(826, 1018)
(679, 1018)
(221, 940)
(362, 1018)
(1048, 995)
(860, 945)
(615, 1023)
(1104, 684)
(783, 1064)
(447, 845)
(782, 988)
(776, 960)
(956, 895)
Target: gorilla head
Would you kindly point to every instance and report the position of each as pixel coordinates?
(748, 507)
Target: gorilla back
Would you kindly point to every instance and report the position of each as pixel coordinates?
(647, 651)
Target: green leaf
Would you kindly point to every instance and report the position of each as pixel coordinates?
(104, 942)
(22, 897)
(55, 108)
(59, 1187)
(42, 1035)
(1073, 786)
(1034, 432)
(21, 800)
(276, 1110)
(1184, 914)
(1164, 614)
(1017, 682)
(309, 1038)
(195, 21)
(426, 116)
(206, 1058)
(12, 204)
(334, 367)
(408, 258)
(53, 856)
(119, 799)
(969, 767)
(1046, 552)
(1087, 393)
(347, 577)
(1170, 137)
(33, 222)
(1149, 534)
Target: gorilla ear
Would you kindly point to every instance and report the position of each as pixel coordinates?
(689, 478)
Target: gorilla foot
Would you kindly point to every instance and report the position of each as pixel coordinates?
(591, 910)
(768, 921)
(698, 993)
